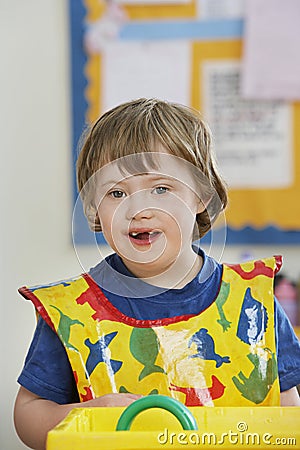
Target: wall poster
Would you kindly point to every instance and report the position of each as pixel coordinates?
(182, 51)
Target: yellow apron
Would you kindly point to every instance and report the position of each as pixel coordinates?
(224, 356)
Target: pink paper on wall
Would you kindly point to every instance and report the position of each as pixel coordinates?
(271, 56)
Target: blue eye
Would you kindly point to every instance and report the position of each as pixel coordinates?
(161, 190)
(117, 194)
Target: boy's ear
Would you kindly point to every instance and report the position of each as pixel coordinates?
(200, 207)
(93, 218)
(98, 223)
(203, 204)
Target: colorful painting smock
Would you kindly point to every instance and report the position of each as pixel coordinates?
(224, 356)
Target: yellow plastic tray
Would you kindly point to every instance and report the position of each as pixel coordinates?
(218, 428)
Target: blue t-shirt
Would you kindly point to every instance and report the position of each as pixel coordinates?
(47, 371)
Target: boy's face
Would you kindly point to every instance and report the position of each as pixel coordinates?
(148, 218)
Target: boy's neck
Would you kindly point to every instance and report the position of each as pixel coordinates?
(182, 271)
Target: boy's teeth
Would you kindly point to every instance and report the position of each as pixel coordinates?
(135, 233)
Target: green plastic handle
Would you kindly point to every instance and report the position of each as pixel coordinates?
(181, 412)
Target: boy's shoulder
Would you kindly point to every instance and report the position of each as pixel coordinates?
(62, 296)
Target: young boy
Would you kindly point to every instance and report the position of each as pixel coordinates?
(158, 315)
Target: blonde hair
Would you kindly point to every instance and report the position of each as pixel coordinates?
(137, 127)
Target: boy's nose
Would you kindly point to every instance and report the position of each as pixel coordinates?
(143, 214)
(138, 206)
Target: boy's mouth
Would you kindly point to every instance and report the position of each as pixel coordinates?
(143, 237)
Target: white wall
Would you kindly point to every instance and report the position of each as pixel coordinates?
(35, 174)
(35, 225)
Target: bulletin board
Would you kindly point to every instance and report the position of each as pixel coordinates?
(179, 50)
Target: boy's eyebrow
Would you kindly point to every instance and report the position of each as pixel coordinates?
(157, 177)
(113, 182)
(154, 177)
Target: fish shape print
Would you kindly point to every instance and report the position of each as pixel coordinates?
(257, 385)
(98, 353)
(64, 328)
(252, 321)
(201, 396)
(206, 348)
(144, 346)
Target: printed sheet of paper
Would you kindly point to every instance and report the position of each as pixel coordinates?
(253, 139)
(271, 67)
(221, 9)
(146, 69)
